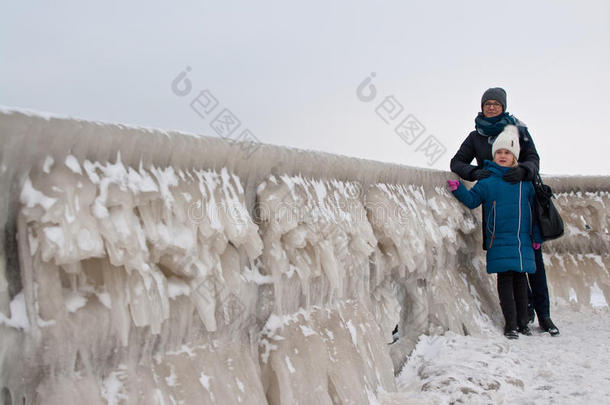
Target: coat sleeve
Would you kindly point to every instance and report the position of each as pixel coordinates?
(536, 233)
(471, 198)
(528, 157)
(460, 163)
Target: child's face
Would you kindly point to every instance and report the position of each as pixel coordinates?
(504, 158)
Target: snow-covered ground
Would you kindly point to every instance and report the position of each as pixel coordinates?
(570, 369)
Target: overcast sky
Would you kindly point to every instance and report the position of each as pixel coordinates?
(289, 72)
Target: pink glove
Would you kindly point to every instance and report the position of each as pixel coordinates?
(536, 245)
(453, 184)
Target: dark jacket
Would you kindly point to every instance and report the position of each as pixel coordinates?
(511, 226)
(477, 146)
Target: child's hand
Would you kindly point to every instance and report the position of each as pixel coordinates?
(453, 184)
(536, 245)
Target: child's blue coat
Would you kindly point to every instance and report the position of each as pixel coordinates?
(510, 221)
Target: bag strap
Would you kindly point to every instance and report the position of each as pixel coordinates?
(539, 184)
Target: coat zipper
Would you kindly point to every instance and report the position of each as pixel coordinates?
(531, 221)
(519, 228)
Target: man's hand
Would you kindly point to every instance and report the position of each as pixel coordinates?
(515, 175)
(536, 245)
(479, 174)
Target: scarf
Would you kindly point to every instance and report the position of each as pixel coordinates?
(492, 126)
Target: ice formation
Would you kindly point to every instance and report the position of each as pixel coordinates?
(162, 268)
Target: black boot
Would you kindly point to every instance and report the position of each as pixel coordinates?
(525, 330)
(511, 333)
(548, 326)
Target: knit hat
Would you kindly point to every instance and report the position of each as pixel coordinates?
(494, 93)
(508, 139)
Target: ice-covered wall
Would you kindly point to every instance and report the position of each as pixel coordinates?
(141, 266)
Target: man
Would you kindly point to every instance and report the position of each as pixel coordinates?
(489, 123)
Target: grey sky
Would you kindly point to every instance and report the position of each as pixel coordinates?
(289, 70)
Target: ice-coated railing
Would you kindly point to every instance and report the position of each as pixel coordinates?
(142, 266)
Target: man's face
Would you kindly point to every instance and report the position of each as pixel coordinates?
(492, 108)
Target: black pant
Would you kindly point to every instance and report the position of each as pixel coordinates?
(512, 290)
(538, 290)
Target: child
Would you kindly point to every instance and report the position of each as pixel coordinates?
(512, 235)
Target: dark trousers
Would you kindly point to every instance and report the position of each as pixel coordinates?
(538, 290)
(512, 290)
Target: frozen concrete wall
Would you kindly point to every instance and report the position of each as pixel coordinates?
(141, 266)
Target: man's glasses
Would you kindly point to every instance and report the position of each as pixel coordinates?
(490, 104)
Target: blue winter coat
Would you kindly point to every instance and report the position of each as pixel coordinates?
(509, 219)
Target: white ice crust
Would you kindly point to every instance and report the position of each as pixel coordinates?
(164, 284)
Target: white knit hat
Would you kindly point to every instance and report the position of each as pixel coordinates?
(508, 139)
